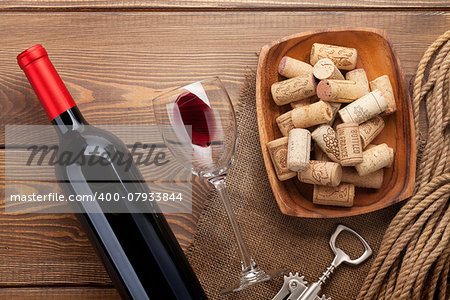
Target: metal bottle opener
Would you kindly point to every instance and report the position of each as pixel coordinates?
(295, 287)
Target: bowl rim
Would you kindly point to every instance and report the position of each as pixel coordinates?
(409, 181)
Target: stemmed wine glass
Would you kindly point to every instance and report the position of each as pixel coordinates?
(198, 125)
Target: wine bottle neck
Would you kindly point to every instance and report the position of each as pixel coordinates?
(50, 89)
(70, 120)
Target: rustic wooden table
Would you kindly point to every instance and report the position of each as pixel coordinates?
(115, 56)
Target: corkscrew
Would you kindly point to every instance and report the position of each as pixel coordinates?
(296, 288)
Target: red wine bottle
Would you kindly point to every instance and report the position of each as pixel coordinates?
(139, 250)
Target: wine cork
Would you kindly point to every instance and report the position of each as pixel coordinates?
(344, 58)
(290, 67)
(284, 122)
(325, 137)
(383, 84)
(341, 195)
(374, 159)
(350, 149)
(299, 149)
(360, 76)
(304, 102)
(321, 173)
(372, 181)
(335, 109)
(319, 154)
(364, 108)
(326, 69)
(370, 129)
(342, 91)
(313, 114)
(278, 150)
(293, 89)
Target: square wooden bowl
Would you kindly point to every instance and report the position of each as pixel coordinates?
(377, 57)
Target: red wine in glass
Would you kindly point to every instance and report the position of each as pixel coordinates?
(196, 113)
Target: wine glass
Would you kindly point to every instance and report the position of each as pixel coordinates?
(198, 125)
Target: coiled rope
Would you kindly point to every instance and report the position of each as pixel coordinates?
(414, 258)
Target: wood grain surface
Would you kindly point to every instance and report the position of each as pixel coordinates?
(92, 293)
(43, 170)
(115, 62)
(229, 4)
(52, 249)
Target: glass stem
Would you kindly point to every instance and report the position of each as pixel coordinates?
(246, 259)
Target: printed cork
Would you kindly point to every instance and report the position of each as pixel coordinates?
(341, 195)
(350, 149)
(326, 69)
(278, 150)
(290, 67)
(321, 173)
(326, 138)
(313, 114)
(343, 57)
(383, 84)
(369, 130)
(364, 108)
(285, 124)
(293, 89)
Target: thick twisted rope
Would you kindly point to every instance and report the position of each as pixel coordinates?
(414, 258)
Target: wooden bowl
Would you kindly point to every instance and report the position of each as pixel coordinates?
(377, 57)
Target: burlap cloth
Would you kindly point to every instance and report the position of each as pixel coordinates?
(275, 240)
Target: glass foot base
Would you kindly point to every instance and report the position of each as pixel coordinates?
(254, 275)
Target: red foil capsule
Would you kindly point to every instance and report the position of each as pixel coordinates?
(50, 89)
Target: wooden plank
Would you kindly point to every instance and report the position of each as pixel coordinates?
(46, 249)
(228, 4)
(43, 249)
(114, 64)
(23, 136)
(18, 168)
(25, 293)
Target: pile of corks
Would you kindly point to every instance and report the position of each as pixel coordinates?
(344, 157)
